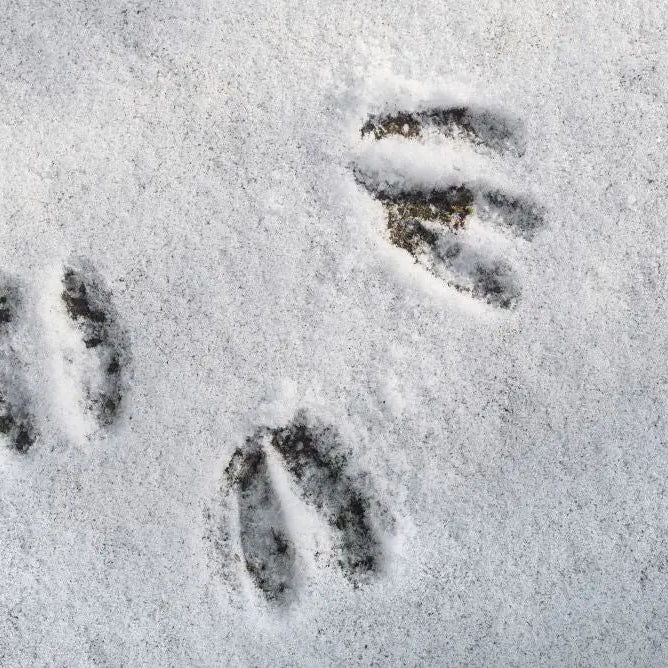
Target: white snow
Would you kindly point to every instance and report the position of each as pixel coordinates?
(199, 155)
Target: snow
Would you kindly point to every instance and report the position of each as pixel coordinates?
(200, 156)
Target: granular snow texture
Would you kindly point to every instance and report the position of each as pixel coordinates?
(333, 333)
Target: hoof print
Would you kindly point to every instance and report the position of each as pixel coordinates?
(16, 420)
(433, 224)
(89, 306)
(6, 310)
(85, 365)
(478, 127)
(269, 554)
(16, 425)
(319, 467)
(316, 459)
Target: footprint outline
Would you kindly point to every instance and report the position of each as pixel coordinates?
(318, 465)
(430, 223)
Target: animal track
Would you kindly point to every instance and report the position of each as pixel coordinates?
(319, 468)
(268, 550)
(314, 456)
(432, 223)
(16, 421)
(96, 361)
(89, 306)
(479, 127)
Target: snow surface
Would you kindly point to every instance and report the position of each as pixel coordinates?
(199, 155)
